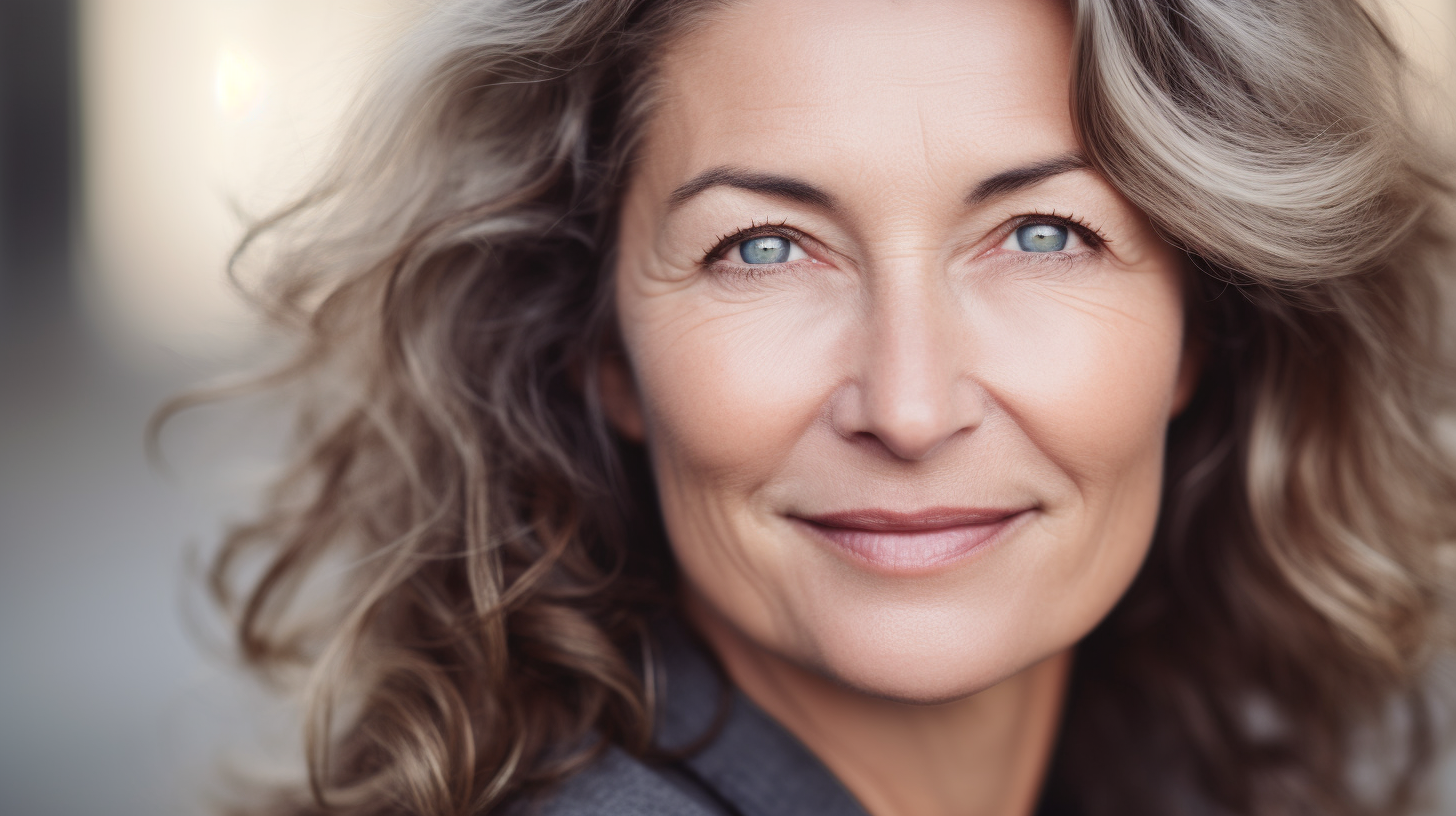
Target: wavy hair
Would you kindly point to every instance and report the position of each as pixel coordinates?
(456, 568)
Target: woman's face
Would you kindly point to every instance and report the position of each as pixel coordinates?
(903, 364)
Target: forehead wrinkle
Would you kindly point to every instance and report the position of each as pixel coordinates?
(926, 159)
(811, 132)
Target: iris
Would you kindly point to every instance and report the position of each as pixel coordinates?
(1041, 237)
(765, 249)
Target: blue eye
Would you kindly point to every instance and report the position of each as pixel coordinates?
(1042, 237)
(765, 249)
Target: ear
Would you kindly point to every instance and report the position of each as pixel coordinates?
(617, 389)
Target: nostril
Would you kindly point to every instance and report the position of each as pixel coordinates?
(919, 446)
(908, 423)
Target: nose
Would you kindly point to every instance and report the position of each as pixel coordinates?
(911, 391)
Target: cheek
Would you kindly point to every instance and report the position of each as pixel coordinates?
(1091, 389)
(1089, 376)
(728, 388)
(729, 392)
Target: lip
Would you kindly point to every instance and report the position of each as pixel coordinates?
(907, 543)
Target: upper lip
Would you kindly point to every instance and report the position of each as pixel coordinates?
(895, 521)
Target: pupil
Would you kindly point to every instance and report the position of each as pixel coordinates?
(765, 249)
(1041, 237)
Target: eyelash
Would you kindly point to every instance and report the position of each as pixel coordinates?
(1089, 234)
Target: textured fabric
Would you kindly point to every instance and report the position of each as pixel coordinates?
(751, 762)
(720, 755)
(618, 785)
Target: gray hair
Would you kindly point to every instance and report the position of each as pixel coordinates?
(447, 283)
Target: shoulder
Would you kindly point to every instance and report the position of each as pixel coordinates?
(618, 784)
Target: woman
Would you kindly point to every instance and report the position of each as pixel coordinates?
(795, 406)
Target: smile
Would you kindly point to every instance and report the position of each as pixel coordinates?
(913, 543)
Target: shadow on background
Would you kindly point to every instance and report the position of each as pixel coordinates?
(38, 116)
(104, 705)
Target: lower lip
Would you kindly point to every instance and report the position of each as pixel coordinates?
(908, 552)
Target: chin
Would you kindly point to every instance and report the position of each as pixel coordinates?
(922, 667)
(921, 691)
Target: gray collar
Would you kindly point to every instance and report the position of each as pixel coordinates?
(737, 756)
(751, 764)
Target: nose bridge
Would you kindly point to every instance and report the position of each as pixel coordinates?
(914, 395)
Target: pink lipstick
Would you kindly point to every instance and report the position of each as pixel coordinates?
(915, 542)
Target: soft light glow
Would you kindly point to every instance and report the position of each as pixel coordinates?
(197, 115)
(238, 86)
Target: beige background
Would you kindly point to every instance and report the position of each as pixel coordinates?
(200, 111)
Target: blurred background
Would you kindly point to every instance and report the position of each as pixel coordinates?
(136, 139)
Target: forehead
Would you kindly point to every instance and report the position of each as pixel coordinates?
(866, 87)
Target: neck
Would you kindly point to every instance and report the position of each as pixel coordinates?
(982, 755)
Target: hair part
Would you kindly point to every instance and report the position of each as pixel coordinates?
(494, 551)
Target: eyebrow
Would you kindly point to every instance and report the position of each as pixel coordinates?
(793, 189)
(766, 183)
(1018, 178)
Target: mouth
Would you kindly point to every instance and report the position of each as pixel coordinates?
(917, 542)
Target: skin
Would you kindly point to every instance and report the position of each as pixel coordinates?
(910, 356)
